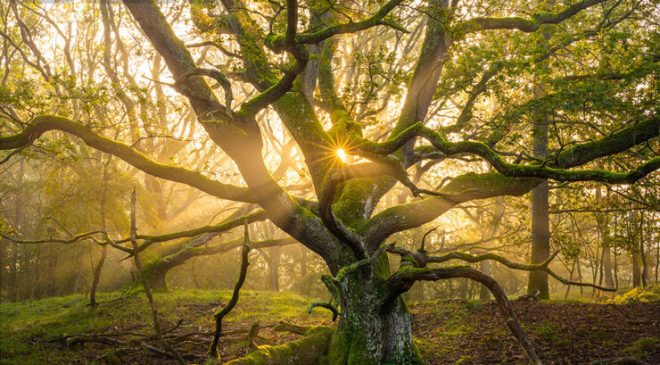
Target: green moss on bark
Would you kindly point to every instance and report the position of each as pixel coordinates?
(308, 350)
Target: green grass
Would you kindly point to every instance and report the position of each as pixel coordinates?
(27, 327)
(549, 331)
(642, 348)
(31, 331)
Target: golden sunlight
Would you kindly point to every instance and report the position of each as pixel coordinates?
(341, 154)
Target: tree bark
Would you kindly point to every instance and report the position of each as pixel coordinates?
(156, 276)
(636, 269)
(657, 260)
(104, 250)
(484, 267)
(274, 258)
(642, 252)
(369, 333)
(538, 280)
(607, 267)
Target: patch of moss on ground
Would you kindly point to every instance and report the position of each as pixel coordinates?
(31, 330)
(548, 331)
(638, 295)
(643, 347)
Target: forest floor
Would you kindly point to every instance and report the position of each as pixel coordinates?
(448, 332)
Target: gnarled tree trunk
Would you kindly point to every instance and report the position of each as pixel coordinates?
(368, 331)
(373, 328)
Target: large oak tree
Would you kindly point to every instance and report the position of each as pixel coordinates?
(475, 59)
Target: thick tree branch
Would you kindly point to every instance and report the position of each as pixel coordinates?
(420, 259)
(285, 84)
(576, 155)
(526, 25)
(614, 143)
(239, 135)
(313, 37)
(405, 277)
(73, 239)
(220, 78)
(165, 263)
(179, 61)
(227, 225)
(461, 189)
(42, 124)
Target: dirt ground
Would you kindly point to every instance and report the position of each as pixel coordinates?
(562, 333)
(448, 332)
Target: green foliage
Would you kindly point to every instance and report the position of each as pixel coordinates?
(638, 295)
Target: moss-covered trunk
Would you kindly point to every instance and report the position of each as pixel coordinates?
(368, 331)
(156, 276)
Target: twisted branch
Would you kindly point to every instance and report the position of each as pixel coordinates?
(402, 280)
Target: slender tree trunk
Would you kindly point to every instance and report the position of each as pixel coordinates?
(462, 288)
(538, 280)
(579, 272)
(147, 289)
(607, 267)
(642, 252)
(274, 258)
(13, 277)
(636, 269)
(616, 269)
(570, 278)
(657, 260)
(18, 216)
(76, 282)
(488, 231)
(97, 275)
(303, 263)
(484, 267)
(601, 272)
(104, 249)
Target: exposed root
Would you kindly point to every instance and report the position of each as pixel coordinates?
(286, 326)
(81, 339)
(308, 350)
(252, 334)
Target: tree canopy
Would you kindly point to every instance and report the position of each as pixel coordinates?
(343, 123)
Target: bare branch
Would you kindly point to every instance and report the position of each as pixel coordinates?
(220, 314)
(405, 277)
